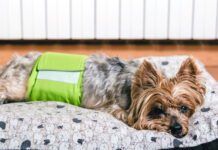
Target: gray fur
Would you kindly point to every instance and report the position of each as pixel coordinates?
(14, 76)
(107, 80)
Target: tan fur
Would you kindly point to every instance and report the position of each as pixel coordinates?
(151, 89)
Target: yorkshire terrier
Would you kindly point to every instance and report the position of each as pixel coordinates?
(133, 92)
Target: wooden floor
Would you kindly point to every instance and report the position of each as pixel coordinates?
(208, 54)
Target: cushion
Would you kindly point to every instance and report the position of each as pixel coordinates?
(56, 125)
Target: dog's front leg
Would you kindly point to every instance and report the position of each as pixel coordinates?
(120, 114)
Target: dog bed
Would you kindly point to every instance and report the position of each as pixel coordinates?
(55, 125)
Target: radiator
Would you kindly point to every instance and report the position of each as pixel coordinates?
(108, 19)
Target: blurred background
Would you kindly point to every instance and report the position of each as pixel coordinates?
(124, 28)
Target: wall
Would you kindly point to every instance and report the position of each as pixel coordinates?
(108, 19)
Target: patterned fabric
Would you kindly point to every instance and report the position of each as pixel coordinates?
(55, 125)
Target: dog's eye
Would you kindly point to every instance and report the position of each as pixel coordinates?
(156, 112)
(159, 111)
(183, 109)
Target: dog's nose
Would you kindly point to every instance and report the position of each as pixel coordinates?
(176, 129)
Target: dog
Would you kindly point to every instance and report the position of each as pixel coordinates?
(136, 93)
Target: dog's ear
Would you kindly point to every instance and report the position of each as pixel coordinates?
(188, 68)
(145, 77)
(190, 71)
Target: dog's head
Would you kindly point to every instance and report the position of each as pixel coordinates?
(163, 104)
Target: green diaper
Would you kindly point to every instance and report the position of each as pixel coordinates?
(57, 77)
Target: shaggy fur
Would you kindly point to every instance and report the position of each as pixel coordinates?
(134, 93)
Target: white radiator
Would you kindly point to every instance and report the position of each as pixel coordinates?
(108, 19)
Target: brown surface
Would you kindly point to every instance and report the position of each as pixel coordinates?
(208, 54)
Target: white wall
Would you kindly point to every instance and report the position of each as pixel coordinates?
(108, 19)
